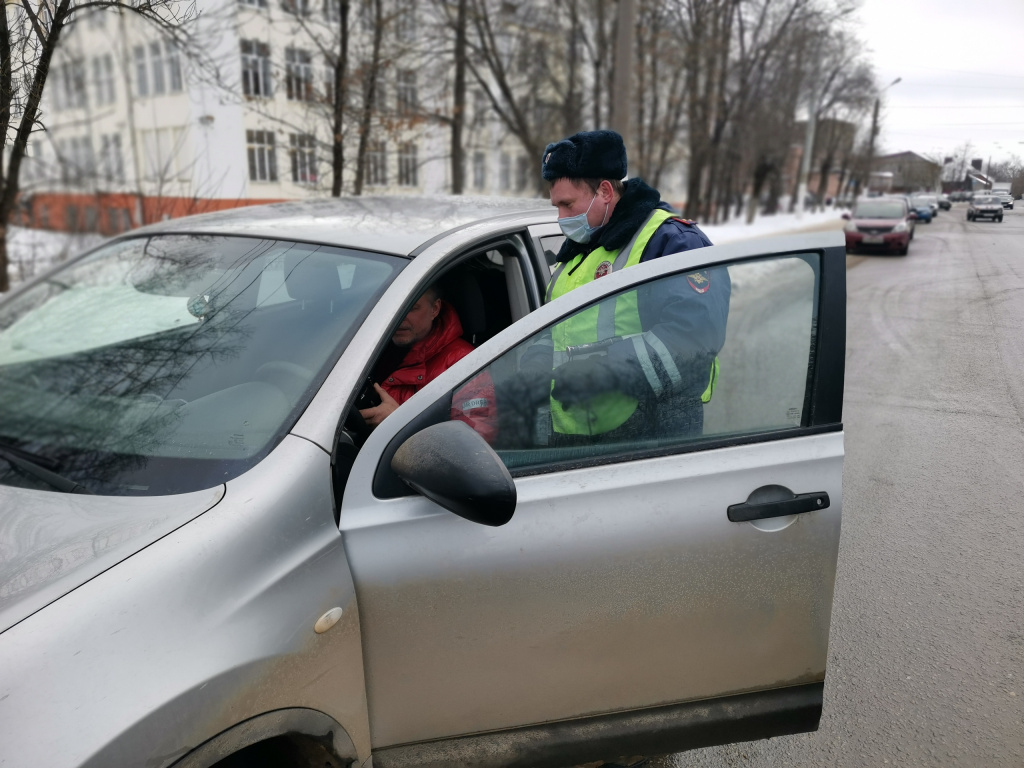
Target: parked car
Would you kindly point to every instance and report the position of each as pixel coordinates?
(945, 202)
(209, 559)
(885, 224)
(985, 207)
(923, 208)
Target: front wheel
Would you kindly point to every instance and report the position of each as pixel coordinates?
(1000, 219)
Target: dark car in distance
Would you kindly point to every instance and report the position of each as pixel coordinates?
(884, 224)
(985, 207)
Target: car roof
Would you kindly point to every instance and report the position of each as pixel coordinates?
(395, 224)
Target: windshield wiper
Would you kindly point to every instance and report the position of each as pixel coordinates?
(34, 465)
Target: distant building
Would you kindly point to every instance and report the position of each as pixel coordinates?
(909, 173)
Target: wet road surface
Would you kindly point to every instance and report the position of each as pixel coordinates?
(926, 661)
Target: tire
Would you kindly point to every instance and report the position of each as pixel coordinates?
(968, 217)
(903, 251)
(1000, 219)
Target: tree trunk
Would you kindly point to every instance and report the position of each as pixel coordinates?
(369, 97)
(9, 192)
(459, 108)
(340, 102)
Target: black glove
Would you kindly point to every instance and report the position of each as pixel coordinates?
(579, 380)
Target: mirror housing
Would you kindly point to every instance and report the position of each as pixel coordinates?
(846, 215)
(912, 216)
(453, 466)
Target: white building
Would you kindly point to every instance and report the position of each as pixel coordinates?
(137, 130)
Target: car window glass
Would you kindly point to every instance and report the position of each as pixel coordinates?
(166, 364)
(552, 244)
(716, 353)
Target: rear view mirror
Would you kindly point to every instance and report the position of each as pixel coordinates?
(453, 466)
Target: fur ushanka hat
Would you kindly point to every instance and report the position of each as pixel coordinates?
(585, 155)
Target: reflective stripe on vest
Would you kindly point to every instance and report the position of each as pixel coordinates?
(614, 317)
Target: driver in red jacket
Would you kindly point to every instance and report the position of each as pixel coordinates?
(426, 343)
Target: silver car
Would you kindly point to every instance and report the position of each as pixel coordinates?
(206, 558)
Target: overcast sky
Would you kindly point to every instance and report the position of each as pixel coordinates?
(962, 69)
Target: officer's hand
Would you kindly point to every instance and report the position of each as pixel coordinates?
(579, 380)
(530, 387)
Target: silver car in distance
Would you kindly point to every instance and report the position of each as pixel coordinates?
(207, 558)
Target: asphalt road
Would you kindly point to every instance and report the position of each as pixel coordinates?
(926, 660)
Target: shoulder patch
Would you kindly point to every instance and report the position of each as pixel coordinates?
(699, 281)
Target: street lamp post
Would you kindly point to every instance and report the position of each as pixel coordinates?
(874, 131)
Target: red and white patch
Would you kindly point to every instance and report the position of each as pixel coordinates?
(700, 281)
(604, 268)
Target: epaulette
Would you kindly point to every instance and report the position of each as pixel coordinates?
(687, 222)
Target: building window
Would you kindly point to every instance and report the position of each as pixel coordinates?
(408, 175)
(103, 79)
(522, 172)
(298, 74)
(332, 10)
(262, 160)
(71, 218)
(254, 3)
(479, 170)
(505, 171)
(255, 68)
(69, 86)
(480, 107)
(76, 158)
(405, 21)
(376, 164)
(296, 7)
(406, 100)
(157, 68)
(111, 159)
(91, 218)
(173, 58)
(141, 71)
(303, 156)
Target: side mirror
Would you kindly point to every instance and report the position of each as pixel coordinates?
(912, 215)
(453, 466)
(846, 215)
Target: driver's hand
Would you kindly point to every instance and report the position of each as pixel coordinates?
(374, 416)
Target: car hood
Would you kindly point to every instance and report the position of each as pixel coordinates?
(51, 543)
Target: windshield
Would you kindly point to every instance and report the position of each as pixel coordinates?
(173, 363)
(879, 209)
(987, 200)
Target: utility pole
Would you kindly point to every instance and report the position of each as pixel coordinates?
(874, 133)
(805, 159)
(622, 79)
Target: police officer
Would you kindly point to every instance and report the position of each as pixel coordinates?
(641, 365)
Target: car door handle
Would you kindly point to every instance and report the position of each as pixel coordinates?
(776, 501)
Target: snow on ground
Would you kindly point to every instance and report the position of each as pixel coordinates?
(33, 251)
(769, 225)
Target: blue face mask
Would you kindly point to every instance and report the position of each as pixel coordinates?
(577, 228)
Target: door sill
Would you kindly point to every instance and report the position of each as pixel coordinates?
(655, 731)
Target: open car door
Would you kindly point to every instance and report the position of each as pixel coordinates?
(655, 590)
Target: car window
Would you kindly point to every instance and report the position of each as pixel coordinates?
(172, 363)
(879, 209)
(713, 354)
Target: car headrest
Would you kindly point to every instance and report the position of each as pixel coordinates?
(462, 291)
(312, 277)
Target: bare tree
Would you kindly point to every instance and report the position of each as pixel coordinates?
(29, 35)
